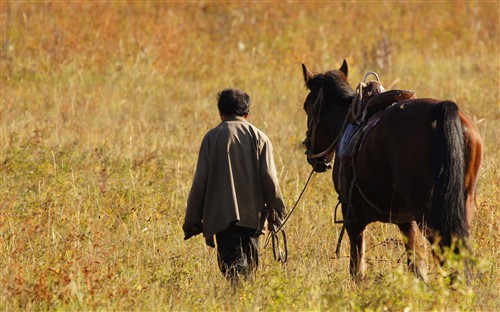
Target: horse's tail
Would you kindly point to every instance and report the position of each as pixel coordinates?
(448, 214)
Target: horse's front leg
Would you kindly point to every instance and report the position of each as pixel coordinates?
(415, 248)
(357, 259)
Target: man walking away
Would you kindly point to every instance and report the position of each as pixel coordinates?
(235, 188)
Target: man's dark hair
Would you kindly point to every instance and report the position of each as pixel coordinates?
(233, 102)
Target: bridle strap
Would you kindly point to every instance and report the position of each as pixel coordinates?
(317, 106)
(315, 121)
(329, 149)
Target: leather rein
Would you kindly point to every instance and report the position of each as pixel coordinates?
(280, 249)
(278, 252)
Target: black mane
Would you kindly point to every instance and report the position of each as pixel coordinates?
(335, 86)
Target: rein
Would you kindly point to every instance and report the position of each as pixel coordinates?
(279, 254)
(328, 151)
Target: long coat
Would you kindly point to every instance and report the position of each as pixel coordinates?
(235, 180)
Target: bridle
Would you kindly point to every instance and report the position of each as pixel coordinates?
(311, 132)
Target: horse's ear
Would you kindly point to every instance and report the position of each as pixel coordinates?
(343, 68)
(307, 74)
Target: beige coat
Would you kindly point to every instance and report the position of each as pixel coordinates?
(235, 179)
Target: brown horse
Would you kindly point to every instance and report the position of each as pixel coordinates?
(414, 163)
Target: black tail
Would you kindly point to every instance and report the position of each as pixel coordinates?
(448, 214)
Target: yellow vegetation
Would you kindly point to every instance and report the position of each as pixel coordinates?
(102, 109)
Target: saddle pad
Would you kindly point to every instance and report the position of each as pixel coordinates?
(348, 141)
(353, 139)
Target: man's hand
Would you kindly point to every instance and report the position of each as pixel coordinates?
(273, 221)
(191, 229)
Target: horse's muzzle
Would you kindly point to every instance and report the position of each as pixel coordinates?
(320, 164)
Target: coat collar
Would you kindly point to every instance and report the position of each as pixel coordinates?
(234, 118)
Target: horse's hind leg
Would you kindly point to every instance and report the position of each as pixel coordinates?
(415, 248)
(357, 258)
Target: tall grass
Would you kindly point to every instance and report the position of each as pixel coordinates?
(102, 110)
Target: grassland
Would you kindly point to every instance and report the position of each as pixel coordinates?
(102, 110)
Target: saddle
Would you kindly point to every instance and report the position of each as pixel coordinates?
(370, 99)
(373, 97)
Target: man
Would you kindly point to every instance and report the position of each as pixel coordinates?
(235, 188)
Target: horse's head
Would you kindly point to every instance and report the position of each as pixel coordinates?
(326, 107)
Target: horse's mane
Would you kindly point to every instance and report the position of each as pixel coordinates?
(335, 85)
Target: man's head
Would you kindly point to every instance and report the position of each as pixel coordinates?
(233, 102)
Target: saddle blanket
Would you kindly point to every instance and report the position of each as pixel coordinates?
(353, 139)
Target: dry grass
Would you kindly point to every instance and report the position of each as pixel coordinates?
(102, 109)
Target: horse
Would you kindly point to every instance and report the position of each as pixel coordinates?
(415, 163)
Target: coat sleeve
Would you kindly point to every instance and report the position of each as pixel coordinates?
(269, 180)
(193, 223)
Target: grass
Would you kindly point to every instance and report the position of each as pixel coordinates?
(102, 110)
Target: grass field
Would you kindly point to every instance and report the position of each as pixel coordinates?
(102, 109)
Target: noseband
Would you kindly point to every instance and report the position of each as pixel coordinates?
(311, 131)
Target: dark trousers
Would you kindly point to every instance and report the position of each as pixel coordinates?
(237, 251)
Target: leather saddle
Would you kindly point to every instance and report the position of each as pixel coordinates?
(375, 98)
